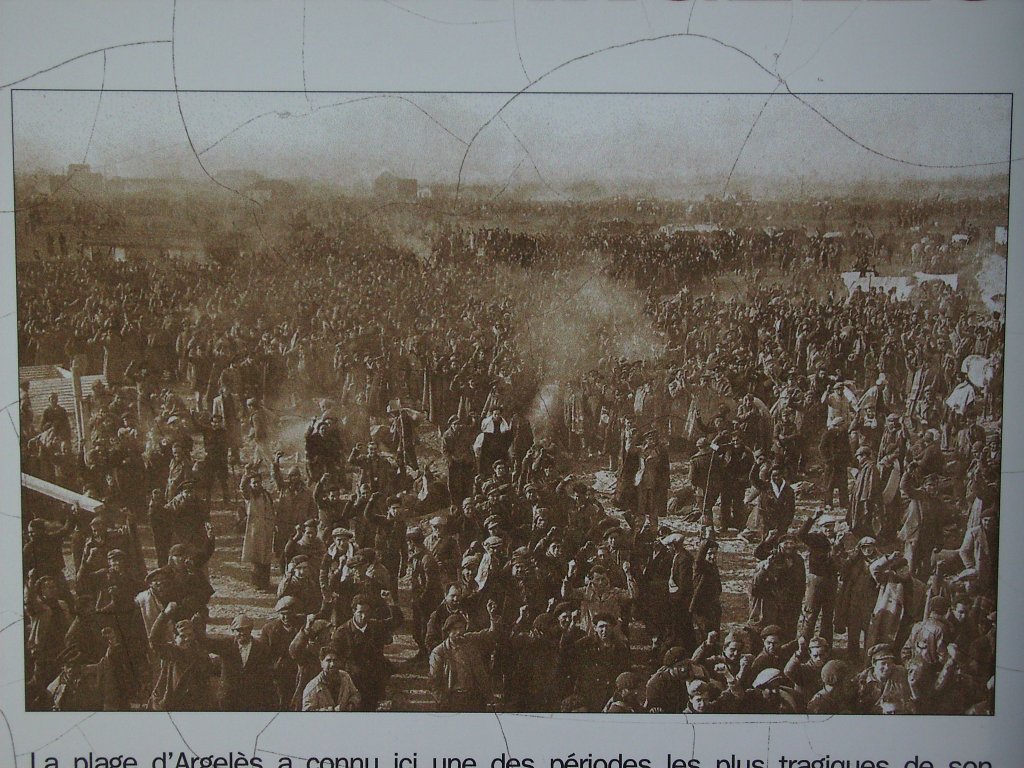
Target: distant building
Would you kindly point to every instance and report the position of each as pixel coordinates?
(83, 178)
(391, 186)
(424, 193)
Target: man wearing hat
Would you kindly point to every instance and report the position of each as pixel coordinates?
(246, 669)
(679, 596)
(361, 642)
(491, 575)
(822, 579)
(736, 462)
(459, 669)
(376, 471)
(652, 479)
(836, 694)
(777, 589)
(774, 650)
(457, 446)
(666, 690)
(339, 551)
(278, 634)
(304, 651)
(538, 683)
(258, 541)
(930, 636)
(425, 589)
(857, 595)
(865, 514)
(598, 596)
(835, 460)
(601, 657)
(300, 581)
(295, 506)
(183, 681)
(191, 586)
(805, 665)
(883, 688)
(43, 553)
(303, 540)
(628, 696)
(447, 538)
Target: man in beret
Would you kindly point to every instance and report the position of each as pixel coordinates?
(836, 694)
(774, 650)
(667, 687)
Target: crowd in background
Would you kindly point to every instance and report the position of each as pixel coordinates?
(430, 495)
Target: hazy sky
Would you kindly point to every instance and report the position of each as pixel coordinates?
(610, 139)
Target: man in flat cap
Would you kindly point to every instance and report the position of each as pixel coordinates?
(278, 634)
(246, 669)
(858, 592)
(865, 514)
(459, 669)
(339, 551)
(425, 589)
(883, 688)
(300, 581)
(183, 681)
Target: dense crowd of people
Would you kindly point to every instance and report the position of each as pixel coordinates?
(846, 447)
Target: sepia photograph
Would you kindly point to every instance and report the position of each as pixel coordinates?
(515, 402)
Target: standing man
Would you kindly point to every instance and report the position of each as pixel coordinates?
(652, 480)
(360, 642)
(258, 542)
(737, 461)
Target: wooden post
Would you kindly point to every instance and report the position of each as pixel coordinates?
(76, 390)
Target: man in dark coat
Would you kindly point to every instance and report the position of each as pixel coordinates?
(777, 590)
(736, 462)
(361, 642)
(246, 670)
(857, 594)
(183, 682)
(835, 459)
(775, 499)
(865, 513)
